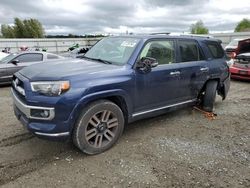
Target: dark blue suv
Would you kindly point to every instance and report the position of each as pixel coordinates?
(119, 80)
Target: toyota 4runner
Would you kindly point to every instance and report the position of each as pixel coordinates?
(119, 80)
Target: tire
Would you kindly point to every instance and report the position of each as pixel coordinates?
(99, 127)
(210, 95)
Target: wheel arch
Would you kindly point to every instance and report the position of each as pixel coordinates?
(204, 86)
(119, 97)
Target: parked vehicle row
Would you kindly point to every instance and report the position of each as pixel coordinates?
(118, 81)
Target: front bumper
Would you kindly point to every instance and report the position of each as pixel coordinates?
(43, 127)
(27, 110)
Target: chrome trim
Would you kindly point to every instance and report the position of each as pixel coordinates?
(18, 88)
(161, 108)
(26, 108)
(175, 73)
(6, 76)
(204, 69)
(52, 134)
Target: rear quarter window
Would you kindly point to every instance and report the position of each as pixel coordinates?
(215, 50)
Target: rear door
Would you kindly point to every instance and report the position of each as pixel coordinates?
(193, 68)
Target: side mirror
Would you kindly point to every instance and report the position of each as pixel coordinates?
(146, 64)
(15, 62)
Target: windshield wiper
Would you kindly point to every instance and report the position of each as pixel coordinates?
(97, 59)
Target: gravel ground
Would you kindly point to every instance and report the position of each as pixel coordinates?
(179, 149)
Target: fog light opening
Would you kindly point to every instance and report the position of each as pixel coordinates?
(45, 113)
(39, 113)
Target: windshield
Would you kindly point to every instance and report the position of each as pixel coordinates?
(7, 58)
(115, 50)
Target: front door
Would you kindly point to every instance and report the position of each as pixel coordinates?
(3, 74)
(160, 87)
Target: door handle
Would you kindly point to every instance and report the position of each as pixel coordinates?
(175, 73)
(204, 69)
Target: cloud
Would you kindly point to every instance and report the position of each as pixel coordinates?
(167, 3)
(118, 16)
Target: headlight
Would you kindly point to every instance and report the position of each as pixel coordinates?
(51, 88)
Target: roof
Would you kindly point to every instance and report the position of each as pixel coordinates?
(166, 36)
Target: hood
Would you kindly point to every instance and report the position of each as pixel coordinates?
(244, 57)
(65, 68)
(243, 46)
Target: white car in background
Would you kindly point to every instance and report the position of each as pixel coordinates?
(2, 55)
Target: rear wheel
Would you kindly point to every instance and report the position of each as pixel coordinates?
(210, 95)
(99, 127)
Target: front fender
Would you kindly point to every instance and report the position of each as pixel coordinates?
(85, 100)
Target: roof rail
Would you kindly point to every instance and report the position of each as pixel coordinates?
(167, 33)
(195, 35)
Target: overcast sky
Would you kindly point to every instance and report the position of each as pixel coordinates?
(119, 16)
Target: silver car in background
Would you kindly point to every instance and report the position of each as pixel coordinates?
(14, 62)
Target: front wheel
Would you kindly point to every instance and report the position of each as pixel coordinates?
(210, 95)
(99, 127)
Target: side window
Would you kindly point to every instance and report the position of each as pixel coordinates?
(163, 51)
(29, 58)
(51, 56)
(215, 50)
(190, 51)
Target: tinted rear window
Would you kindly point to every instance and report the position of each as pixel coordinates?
(215, 50)
(190, 51)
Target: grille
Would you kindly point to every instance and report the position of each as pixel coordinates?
(18, 87)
